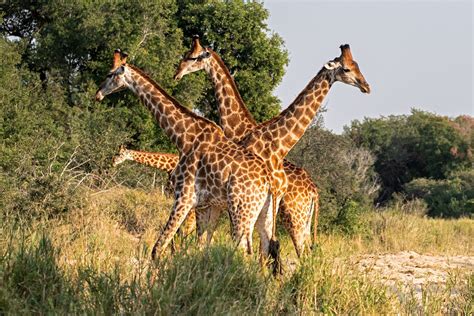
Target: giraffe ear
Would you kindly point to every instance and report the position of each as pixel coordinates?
(122, 148)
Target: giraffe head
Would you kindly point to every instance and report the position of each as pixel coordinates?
(115, 80)
(346, 70)
(196, 59)
(123, 155)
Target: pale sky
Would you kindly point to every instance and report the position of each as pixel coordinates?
(413, 54)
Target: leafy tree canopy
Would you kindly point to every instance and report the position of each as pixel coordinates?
(70, 43)
(237, 31)
(411, 146)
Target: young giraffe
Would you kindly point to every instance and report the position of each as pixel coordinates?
(272, 140)
(212, 171)
(161, 161)
(301, 196)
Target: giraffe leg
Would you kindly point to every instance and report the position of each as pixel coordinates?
(264, 228)
(189, 224)
(304, 233)
(214, 215)
(184, 231)
(240, 227)
(299, 241)
(296, 211)
(182, 206)
(243, 217)
(288, 216)
(298, 227)
(202, 218)
(315, 204)
(274, 247)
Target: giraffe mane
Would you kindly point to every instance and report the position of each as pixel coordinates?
(241, 102)
(175, 102)
(149, 152)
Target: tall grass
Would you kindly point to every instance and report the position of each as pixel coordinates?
(95, 259)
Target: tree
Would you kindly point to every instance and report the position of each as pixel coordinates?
(342, 172)
(412, 146)
(71, 44)
(55, 53)
(237, 31)
(452, 197)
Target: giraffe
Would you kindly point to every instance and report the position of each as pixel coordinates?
(161, 161)
(272, 140)
(212, 171)
(301, 197)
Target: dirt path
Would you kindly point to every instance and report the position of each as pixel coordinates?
(415, 271)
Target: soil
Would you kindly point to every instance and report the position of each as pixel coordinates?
(414, 271)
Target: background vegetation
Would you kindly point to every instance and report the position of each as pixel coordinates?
(74, 231)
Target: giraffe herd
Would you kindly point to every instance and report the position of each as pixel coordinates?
(240, 165)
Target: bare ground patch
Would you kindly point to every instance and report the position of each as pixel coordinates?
(415, 276)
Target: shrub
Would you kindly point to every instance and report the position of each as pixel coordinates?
(348, 219)
(343, 174)
(407, 147)
(412, 206)
(453, 197)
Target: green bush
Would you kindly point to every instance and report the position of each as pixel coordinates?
(400, 202)
(419, 145)
(348, 220)
(343, 173)
(453, 197)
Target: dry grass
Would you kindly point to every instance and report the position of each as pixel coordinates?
(96, 259)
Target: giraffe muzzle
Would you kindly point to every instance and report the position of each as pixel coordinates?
(99, 96)
(177, 76)
(365, 88)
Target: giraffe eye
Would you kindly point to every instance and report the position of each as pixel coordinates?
(346, 70)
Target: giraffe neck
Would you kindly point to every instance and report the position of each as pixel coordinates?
(278, 135)
(165, 162)
(236, 120)
(179, 123)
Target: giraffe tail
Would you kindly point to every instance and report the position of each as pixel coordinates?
(315, 206)
(274, 246)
